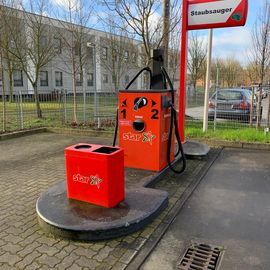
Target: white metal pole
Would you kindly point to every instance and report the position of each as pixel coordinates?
(217, 88)
(207, 85)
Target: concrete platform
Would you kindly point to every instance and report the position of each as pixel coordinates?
(83, 221)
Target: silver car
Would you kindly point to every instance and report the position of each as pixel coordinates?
(231, 104)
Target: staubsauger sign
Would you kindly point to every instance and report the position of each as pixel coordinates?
(205, 14)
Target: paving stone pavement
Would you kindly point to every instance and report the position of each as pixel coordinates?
(31, 164)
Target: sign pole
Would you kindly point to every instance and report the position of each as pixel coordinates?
(183, 70)
(207, 85)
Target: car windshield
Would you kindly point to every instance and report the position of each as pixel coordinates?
(227, 94)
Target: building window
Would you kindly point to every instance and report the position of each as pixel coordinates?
(91, 54)
(78, 49)
(43, 41)
(126, 79)
(134, 57)
(79, 79)
(113, 78)
(57, 45)
(44, 81)
(104, 53)
(90, 79)
(126, 55)
(58, 78)
(17, 78)
(105, 78)
(114, 55)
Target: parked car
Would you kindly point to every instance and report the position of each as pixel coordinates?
(231, 104)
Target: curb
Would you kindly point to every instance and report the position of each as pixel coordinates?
(244, 145)
(108, 134)
(16, 134)
(88, 132)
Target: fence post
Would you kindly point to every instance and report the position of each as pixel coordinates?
(65, 106)
(259, 104)
(21, 110)
(96, 109)
(17, 110)
(252, 107)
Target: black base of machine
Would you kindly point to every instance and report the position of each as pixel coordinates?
(195, 150)
(78, 220)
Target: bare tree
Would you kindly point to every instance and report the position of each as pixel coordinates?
(122, 53)
(143, 20)
(6, 57)
(74, 35)
(197, 55)
(4, 111)
(231, 71)
(33, 43)
(260, 56)
(252, 73)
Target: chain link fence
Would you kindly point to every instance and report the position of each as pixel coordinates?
(98, 110)
(231, 107)
(95, 110)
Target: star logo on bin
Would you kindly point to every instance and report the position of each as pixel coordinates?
(95, 181)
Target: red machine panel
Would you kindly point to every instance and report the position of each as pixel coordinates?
(95, 174)
(144, 123)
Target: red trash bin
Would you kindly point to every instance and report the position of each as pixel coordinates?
(95, 174)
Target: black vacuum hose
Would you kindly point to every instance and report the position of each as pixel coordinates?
(175, 123)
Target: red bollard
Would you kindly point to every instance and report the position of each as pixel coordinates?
(95, 174)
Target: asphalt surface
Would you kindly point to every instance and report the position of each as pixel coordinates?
(229, 209)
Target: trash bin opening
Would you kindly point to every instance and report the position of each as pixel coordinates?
(83, 146)
(105, 150)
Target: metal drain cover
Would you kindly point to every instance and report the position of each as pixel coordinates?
(201, 257)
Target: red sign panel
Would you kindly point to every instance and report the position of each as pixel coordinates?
(205, 14)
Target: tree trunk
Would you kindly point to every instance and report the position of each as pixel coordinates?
(10, 75)
(38, 109)
(75, 120)
(4, 127)
(268, 111)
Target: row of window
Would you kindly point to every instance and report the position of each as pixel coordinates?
(43, 75)
(44, 78)
(57, 44)
(104, 54)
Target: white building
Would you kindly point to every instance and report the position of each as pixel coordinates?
(103, 62)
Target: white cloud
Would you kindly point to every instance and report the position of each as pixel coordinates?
(66, 4)
(232, 42)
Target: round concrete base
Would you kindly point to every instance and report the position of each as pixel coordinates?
(83, 221)
(195, 150)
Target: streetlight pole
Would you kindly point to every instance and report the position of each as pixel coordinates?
(93, 46)
(166, 30)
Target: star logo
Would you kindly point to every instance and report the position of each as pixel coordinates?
(95, 181)
(148, 137)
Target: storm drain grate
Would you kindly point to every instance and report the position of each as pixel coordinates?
(200, 257)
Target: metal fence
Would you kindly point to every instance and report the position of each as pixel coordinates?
(232, 113)
(97, 110)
